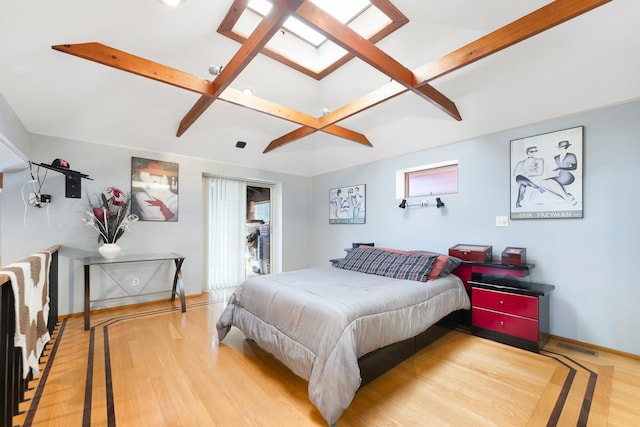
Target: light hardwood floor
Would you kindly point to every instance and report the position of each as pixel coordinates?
(151, 365)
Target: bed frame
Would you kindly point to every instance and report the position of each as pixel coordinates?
(382, 360)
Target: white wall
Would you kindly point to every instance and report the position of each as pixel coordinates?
(15, 141)
(589, 260)
(33, 229)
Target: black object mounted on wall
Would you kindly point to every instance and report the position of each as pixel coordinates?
(73, 186)
(439, 204)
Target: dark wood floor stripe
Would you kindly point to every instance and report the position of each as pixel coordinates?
(562, 398)
(88, 388)
(111, 415)
(588, 398)
(31, 413)
(589, 392)
(111, 418)
(113, 320)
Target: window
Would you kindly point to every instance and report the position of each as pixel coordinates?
(428, 180)
(301, 47)
(263, 211)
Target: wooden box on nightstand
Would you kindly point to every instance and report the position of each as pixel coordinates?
(514, 256)
(475, 253)
(516, 313)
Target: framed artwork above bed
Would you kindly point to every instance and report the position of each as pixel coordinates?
(546, 175)
(347, 205)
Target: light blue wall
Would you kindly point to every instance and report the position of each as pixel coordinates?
(591, 261)
(25, 231)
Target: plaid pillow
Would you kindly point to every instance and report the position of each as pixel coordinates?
(399, 265)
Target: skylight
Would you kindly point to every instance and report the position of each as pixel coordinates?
(343, 11)
(303, 48)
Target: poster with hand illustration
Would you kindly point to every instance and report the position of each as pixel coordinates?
(154, 190)
(546, 175)
(347, 205)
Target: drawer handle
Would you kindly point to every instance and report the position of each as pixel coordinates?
(501, 302)
(501, 323)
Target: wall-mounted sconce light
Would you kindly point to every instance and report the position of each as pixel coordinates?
(423, 204)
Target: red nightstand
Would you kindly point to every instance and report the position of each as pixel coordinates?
(516, 313)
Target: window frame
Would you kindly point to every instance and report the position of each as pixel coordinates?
(402, 175)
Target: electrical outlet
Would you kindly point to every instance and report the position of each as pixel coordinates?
(135, 281)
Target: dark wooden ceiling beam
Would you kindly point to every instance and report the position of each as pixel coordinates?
(540, 20)
(362, 48)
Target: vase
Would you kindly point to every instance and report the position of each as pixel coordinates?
(109, 250)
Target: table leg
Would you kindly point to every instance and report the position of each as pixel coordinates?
(177, 281)
(87, 297)
(183, 302)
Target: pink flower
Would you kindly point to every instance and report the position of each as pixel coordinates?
(118, 198)
(99, 214)
(109, 213)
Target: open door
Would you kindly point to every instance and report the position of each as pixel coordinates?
(258, 251)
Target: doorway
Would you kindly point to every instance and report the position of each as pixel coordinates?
(241, 237)
(258, 225)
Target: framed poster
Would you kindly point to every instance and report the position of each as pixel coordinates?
(546, 175)
(347, 205)
(154, 190)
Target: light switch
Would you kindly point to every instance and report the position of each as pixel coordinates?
(502, 221)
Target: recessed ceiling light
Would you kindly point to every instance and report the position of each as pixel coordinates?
(173, 2)
(247, 91)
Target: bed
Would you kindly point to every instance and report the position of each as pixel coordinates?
(319, 321)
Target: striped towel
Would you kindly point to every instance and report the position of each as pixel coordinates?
(30, 284)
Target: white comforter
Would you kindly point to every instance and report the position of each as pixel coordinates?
(319, 321)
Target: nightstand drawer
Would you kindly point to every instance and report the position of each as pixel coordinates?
(521, 305)
(505, 323)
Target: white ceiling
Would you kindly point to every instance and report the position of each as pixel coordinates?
(586, 63)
